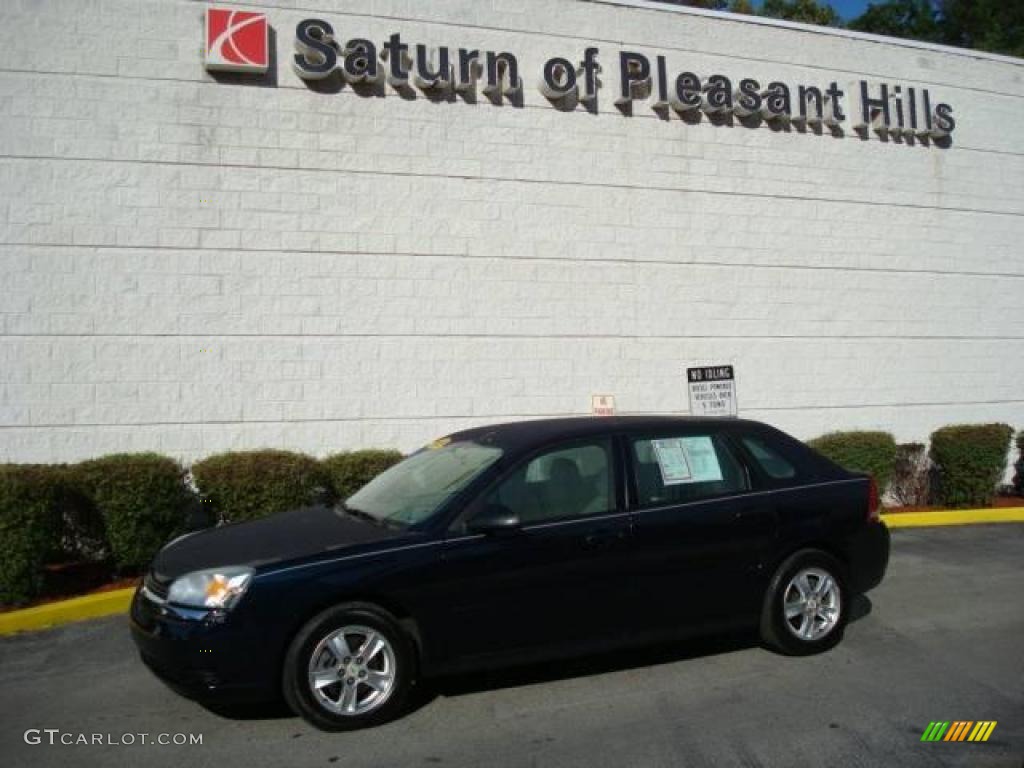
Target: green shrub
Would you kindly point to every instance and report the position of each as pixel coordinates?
(969, 461)
(348, 472)
(246, 485)
(142, 499)
(83, 535)
(871, 452)
(29, 529)
(1018, 466)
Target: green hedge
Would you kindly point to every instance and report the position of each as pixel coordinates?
(124, 507)
(142, 499)
(246, 485)
(969, 461)
(29, 528)
(83, 534)
(1018, 466)
(871, 452)
(348, 472)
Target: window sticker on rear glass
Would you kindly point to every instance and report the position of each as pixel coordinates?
(687, 460)
(671, 456)
(700, 452)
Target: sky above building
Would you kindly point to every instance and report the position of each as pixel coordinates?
(847, 9)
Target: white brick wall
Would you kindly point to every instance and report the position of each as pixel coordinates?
(190, 266)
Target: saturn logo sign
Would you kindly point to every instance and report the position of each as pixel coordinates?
(236, 41)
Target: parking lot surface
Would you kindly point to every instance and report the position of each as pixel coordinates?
(941, 639)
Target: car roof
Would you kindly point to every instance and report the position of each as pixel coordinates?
(516, 436)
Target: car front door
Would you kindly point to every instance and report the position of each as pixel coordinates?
(701, 534)
(555, 579)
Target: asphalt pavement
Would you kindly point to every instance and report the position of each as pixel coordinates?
(941, 639)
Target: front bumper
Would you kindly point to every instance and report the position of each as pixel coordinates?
(201, 654)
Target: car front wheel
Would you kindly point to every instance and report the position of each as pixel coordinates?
(806, 604)
(348, 667)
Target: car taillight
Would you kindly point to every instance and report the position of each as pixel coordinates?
(873, 501)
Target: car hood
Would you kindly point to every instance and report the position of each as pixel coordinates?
(281, 537)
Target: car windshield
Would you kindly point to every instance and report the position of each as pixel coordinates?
(414, 489)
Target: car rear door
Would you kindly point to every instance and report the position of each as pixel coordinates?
(702, 532)
(558, 579)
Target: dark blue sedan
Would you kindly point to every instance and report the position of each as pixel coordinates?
(514, 543)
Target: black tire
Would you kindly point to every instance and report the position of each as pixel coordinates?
(296, 685)
(780, 635)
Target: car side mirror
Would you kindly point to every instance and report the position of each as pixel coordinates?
(494, 520)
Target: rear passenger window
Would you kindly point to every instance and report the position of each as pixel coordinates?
(683, 468)
(769, 459)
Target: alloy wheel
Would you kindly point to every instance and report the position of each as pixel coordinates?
(811, 604)
(352, 670)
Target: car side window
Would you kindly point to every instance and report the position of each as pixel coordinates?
(769, 459)
(571, 481)
(684, 468)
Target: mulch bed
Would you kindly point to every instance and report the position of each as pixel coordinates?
(65, 580)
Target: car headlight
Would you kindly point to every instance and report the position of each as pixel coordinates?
(212, 588)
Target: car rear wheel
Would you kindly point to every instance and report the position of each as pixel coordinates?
(348, 667)
(806, 604)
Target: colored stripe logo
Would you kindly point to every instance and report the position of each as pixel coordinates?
(959, 730)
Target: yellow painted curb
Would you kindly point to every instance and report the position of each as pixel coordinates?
(954, 517)
(76, 609)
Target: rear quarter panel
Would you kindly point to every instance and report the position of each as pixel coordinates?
(825, 512)
(830, 515)
(823, 507)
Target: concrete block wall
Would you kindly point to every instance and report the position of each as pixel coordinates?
(190, 265)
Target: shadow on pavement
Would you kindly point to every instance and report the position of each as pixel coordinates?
(274, 709)
(860, 607)
(597, 664)
(614, 661)
(543, 672)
